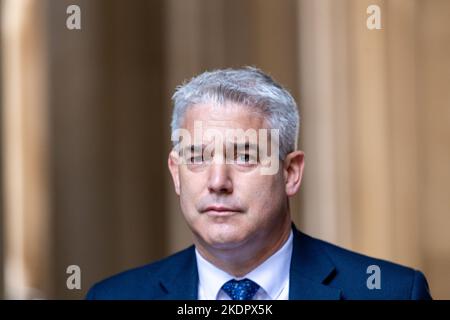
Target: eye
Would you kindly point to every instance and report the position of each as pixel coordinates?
(244, 158)
(195, 160)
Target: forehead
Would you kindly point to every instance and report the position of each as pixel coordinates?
(221, 117)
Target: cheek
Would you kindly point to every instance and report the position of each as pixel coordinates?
(264, 194)
(187, 191)
(191, 189)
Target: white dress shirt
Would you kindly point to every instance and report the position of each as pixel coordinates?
(272, 276)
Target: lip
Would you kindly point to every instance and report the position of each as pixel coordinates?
(221, 211)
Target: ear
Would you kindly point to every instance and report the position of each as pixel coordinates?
(293, 171)
(172, 162)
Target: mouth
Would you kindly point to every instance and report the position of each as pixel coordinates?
(221, 211)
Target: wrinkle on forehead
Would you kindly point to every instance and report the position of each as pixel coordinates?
(231, 115)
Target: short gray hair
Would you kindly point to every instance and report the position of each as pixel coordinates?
(247, 86)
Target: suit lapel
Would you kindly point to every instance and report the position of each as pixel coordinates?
(180, 281)
(310, 270)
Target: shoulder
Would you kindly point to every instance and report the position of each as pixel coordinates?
(141, 282)
(363, 277)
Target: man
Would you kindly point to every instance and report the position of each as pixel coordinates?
(234, 166)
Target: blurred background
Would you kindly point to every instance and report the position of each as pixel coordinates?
(85, 128)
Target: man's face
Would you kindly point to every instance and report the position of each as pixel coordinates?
(227, 204)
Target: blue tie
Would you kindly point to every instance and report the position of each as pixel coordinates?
(240, 289)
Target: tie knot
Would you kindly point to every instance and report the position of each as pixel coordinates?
(243, 289)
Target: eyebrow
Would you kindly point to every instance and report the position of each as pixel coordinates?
(193, 148)
(239, 146)
(246, 146)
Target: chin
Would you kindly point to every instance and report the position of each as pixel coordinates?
(225, 236)
(224, 244)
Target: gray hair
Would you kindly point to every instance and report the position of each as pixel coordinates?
(248, 86)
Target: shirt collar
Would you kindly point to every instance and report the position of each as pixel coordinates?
(271, 275)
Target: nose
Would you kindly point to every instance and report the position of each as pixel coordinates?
(219, 179)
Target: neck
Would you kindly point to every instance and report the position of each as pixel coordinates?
(239, 261)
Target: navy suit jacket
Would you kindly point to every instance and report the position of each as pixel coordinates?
(319, 270)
